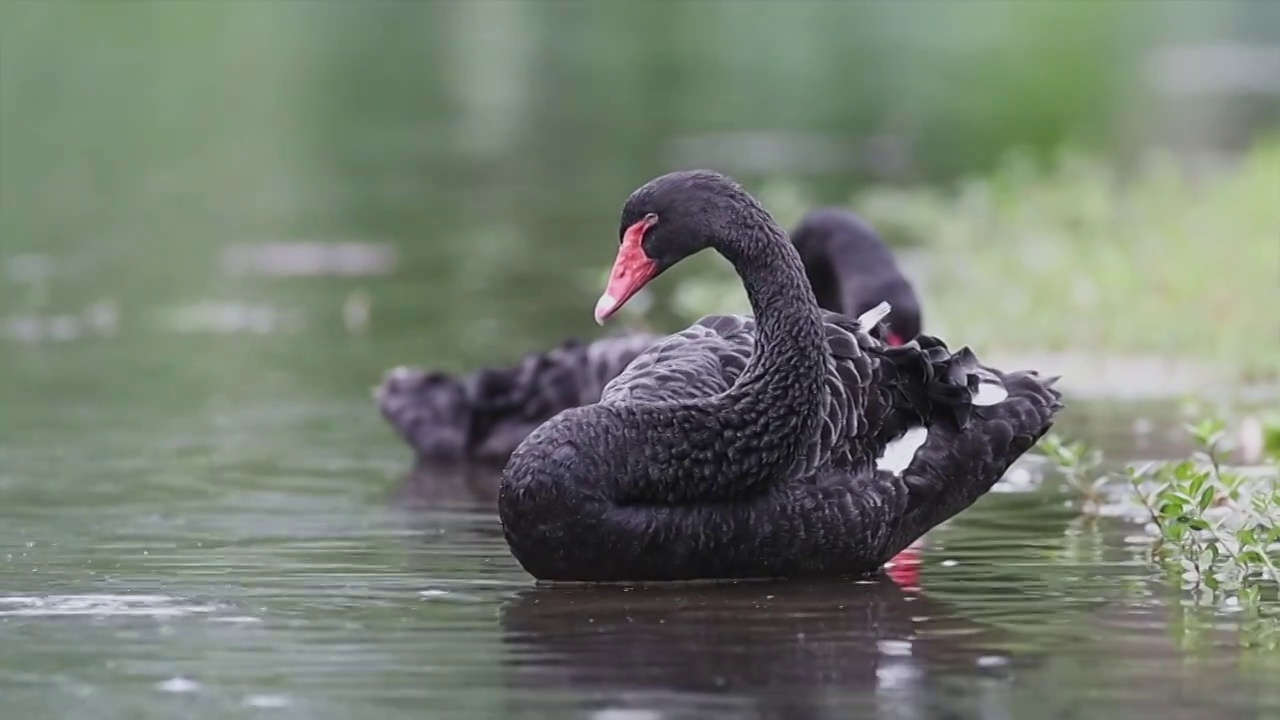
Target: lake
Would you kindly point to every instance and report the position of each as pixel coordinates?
(191, 527)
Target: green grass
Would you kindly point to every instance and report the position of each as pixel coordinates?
(1080, 256)
(1159, 260)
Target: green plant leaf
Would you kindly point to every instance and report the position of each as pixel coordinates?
(1195, 523)
(1197, 483)
(1211, 549)
(1184, 471)
(1251, 557)
(1206, 498)
(1208, 431)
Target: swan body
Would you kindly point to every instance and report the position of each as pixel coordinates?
(794, 442)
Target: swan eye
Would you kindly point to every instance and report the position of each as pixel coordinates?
(650, 218)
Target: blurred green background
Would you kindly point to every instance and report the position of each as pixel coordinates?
(461, 165)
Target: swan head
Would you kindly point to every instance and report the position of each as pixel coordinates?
(665, 221)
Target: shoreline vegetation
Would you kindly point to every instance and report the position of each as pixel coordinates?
(1212, 528)
(1161, 265)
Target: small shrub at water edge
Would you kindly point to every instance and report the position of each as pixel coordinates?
(1218, 527)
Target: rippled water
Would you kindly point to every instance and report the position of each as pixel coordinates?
(246, 544)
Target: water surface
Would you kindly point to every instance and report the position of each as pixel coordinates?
(233, 543)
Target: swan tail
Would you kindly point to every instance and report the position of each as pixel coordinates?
(930, 396)
(932, 473)
(486, 413)
(936, 385)
(955, 466)
(428, 410)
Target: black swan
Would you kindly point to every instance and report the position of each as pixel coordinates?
(791, 444)
(482, 415)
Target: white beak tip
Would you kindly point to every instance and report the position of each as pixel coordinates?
(604, 307)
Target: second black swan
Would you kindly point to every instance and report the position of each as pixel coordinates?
(483, 414)
(791, 443)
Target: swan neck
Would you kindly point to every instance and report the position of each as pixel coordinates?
(790, 341)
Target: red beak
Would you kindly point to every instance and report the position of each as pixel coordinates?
(632, 270)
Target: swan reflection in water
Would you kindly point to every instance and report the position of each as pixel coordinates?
(445, 485)
(749, 650)
(879, 647)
